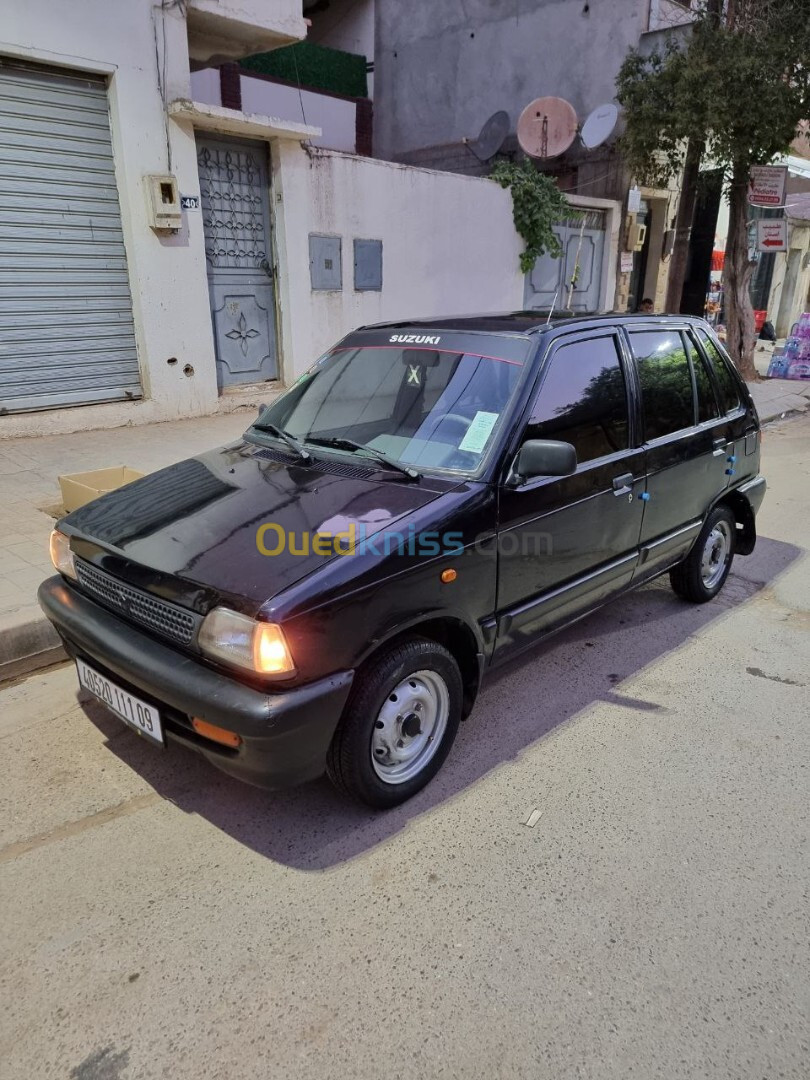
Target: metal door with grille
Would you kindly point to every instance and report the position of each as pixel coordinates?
(583, 244)
(236, 220)
(66, 331)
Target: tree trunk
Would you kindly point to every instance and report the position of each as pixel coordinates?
(683, 227)
(740, 333)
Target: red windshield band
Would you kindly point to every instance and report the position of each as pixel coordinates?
(432, 348)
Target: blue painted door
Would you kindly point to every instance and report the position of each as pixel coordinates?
(236, 219)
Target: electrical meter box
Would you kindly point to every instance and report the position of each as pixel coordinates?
(163, 199)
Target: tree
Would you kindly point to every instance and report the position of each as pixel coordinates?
(735, 85)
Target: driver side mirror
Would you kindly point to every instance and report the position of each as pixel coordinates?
(543, 457)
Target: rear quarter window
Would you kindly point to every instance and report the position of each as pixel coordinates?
(726, 382)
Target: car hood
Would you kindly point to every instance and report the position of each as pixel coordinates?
(189, 532)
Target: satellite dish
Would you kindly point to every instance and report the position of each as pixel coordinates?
(492, 136)
(600, 125)
(547, 127)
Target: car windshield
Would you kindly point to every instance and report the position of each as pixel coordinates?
(426, 408)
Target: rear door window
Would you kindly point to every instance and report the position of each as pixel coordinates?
(706, 397)
(666, 382)
(727, 384)
(583, 399)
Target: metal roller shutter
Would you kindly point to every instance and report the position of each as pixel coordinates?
(66, 330)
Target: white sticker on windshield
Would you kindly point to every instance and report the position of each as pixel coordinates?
(478, 432)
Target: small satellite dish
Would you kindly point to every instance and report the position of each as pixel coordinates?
(600, 125)
(492, 136)
(547, 127)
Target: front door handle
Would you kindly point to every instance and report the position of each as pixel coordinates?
(623, 485)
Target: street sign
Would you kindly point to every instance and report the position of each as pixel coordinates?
(767, 185)
(772, 234)
(189, 202)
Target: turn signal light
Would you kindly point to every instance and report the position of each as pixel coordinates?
(448, 576)
(216, 734)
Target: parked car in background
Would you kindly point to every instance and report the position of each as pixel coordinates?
(429, 500)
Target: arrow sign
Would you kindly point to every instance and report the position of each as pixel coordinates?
(772, 234)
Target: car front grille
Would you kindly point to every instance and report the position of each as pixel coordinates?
(169, 620)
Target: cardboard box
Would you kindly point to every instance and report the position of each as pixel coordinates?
(80, 488)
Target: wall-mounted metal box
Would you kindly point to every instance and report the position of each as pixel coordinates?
(163, 200)
(325, 270)
(368, 265)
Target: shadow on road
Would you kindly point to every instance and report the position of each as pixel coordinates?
(312, 827)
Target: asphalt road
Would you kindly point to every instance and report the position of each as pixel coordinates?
(160, 920)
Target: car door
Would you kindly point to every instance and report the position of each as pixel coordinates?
(685, 455)
(567, 543)
(738, 426)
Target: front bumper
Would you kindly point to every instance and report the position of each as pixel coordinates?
(285, 733)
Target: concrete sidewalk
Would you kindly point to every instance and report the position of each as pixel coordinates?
(30, 501)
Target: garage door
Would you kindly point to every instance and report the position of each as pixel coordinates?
(66, 332)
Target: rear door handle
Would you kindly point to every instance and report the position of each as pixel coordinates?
(719, 447)
(623, 485)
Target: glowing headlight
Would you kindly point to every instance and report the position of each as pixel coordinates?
(236, 639)
(61, 555)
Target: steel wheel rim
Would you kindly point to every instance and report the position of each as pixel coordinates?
(716, 553)
(409, 727)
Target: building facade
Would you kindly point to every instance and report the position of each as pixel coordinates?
(180, 237)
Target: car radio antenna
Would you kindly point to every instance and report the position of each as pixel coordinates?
(553, 305)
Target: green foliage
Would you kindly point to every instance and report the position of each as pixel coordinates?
(740, 88)
(314, 66)
(537, 205)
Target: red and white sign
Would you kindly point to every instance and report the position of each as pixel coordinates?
(767, 185)
(772, 234)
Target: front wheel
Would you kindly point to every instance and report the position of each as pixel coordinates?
(702, 574)
(398, 725)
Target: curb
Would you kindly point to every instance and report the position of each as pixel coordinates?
(27, 642)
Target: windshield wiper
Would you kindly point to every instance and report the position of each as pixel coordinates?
(280, 433)
(339, 443)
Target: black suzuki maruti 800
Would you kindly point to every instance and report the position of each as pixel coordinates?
(431, 498)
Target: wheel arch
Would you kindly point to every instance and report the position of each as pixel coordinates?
(456, 636)
(746, 536)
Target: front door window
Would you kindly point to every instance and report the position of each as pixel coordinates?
(583, 400)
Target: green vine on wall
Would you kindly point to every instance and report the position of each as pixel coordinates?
(537, 205)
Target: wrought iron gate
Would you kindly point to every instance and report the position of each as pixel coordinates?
(236, 219)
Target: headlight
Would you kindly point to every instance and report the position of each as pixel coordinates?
(61, 555)
(246, 643)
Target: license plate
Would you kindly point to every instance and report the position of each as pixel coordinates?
(143, 718)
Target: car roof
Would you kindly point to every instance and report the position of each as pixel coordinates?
(523, 322)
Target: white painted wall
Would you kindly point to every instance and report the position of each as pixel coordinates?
(336, 117)
(205, 86)
(167, 276)
(449, 245)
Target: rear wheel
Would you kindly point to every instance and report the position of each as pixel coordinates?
(398, 725)
(702, 574)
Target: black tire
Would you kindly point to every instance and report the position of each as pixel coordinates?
(690, 579)
(349, 761)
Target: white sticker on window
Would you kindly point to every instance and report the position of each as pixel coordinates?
(478, 432)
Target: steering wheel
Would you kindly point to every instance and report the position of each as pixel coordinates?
(462, 422)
